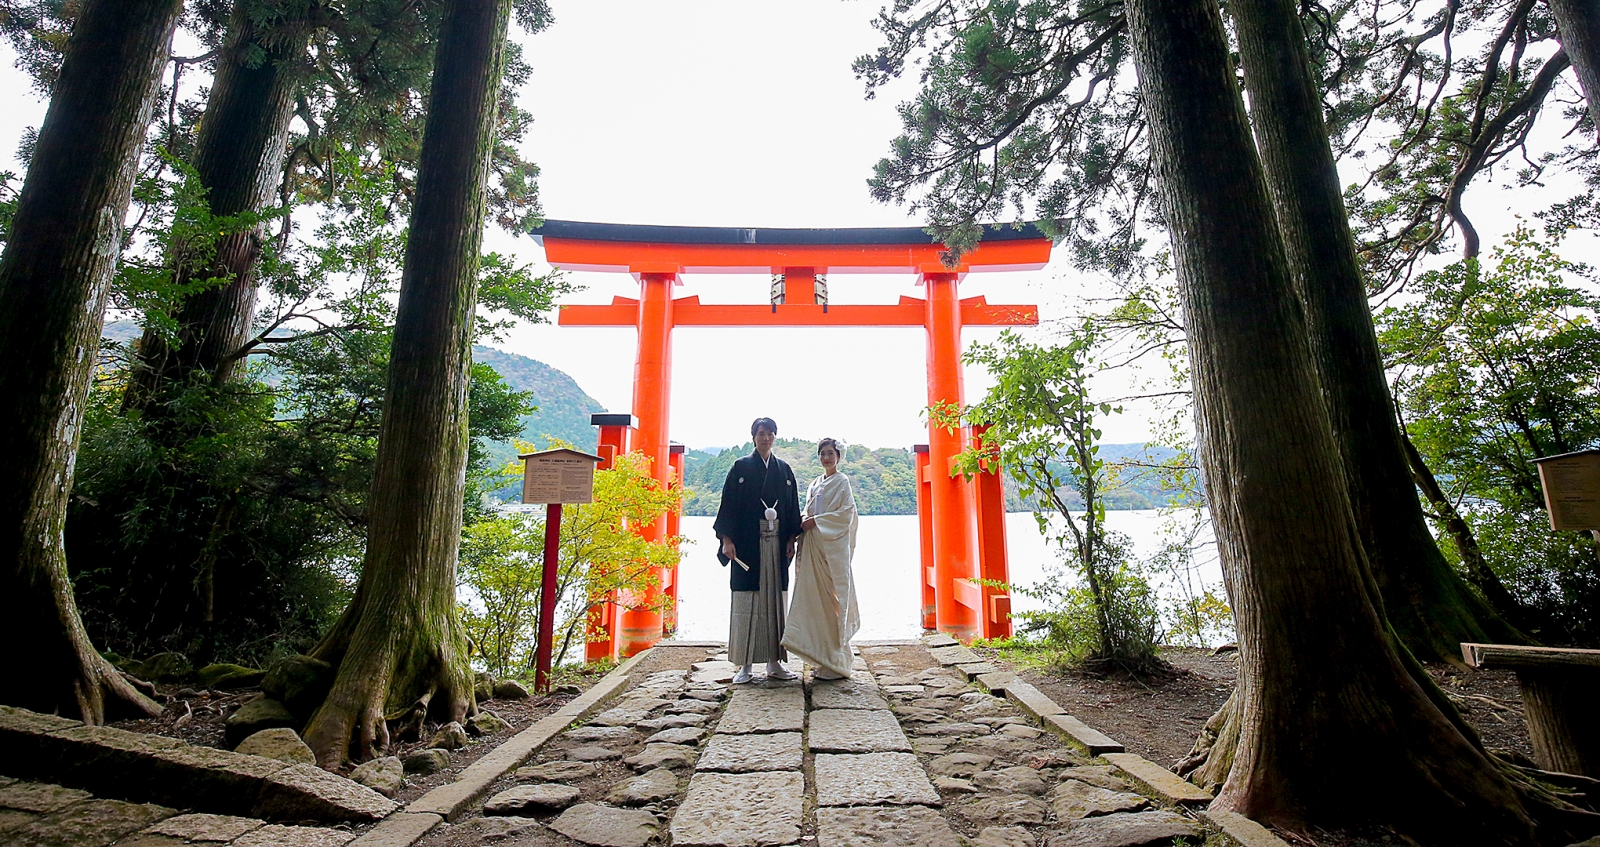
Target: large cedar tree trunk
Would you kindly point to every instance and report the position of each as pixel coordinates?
(54, 276)
(1333, 729)
(238, 157)
(1578, 29)
(399, 645)
(1428, 604)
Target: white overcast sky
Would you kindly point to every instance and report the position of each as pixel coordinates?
(724, 113)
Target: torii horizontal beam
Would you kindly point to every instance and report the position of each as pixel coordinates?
(628, 248)
(689, 311)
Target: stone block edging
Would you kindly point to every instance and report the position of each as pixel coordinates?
(1160, 781)
(1168, 785)
(1243, 831)
(1032, 701)
(1081, 735)
(449, 800)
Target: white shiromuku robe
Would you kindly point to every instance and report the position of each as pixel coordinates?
(823, 615)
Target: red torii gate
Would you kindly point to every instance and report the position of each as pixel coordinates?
(962, 523)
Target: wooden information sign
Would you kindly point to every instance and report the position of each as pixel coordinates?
(553, 477)
(1571, 483)
(558, 476)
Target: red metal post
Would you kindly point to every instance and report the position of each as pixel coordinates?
(652, 394)
(547, 597)
(925, 571)
(602, 624)
(955, 560)
(991, 496)
(669, 621)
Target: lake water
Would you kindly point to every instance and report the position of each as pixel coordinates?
(886, 563)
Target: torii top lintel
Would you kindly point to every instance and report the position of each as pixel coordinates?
(631, 248)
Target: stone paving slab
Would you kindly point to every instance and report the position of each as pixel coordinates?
(973, 670)
(764, 710)
(871, 779)
(91, 823)
(855, 731)
(1243, 830)
(954, 655)
(401, 829)
(603, 826)
(740, 810)
(776, 751)
(845, 694)
(1127, 829)
(39, 797)
(294, 836)
(884, 826)
(202, 827)
(939, 640)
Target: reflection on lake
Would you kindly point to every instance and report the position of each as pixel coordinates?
(886, 563)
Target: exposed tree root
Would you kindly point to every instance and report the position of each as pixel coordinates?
(392, 668)
(58, 671)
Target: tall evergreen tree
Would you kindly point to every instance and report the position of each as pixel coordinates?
(1426, 600)
(1023, 105)
(238, 158)
(54, 276)
(1319, 671)
(400, 642)
(1578, 27)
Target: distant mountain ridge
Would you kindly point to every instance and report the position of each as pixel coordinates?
(564, 408)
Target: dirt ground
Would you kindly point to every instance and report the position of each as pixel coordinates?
(1160, 719)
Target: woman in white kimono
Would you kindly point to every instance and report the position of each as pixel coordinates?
(823, 615)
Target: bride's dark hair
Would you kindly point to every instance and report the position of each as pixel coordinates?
(831, 442)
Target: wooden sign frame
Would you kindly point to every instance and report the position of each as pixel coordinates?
(558, 476)
(1571, 483)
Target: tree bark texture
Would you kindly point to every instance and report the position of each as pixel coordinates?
(54, 278)
(1426, 601)
(399, 644)
(238, 157)
(1578, 30)
(1332, 729)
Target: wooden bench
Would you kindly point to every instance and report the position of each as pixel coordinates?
(1560, 701)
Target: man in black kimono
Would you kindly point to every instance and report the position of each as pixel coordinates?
(755, 483)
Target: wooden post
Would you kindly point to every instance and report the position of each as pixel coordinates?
(1560, 687)
(547, 597)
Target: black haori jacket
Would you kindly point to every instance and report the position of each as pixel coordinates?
(739, 517)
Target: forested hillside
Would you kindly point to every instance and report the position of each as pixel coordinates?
(885, 478)
(562, 409)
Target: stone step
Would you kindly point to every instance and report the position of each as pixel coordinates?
(140, 768)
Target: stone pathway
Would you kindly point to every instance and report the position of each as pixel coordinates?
(908, 752)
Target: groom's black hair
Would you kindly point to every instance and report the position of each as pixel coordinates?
(758, 423)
